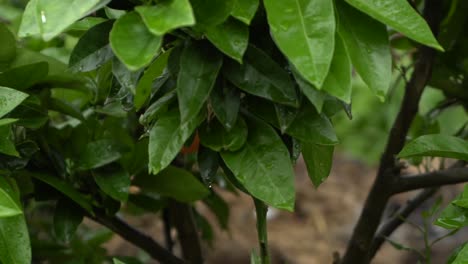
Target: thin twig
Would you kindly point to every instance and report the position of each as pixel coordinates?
(398, 218)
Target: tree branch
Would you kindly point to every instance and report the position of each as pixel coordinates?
(361, 239)
(137, 238)
(397, 219)
(182, 217)
(432, 179)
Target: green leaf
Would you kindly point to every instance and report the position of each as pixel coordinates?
(8, 206)
(262, 166)
(194, 84)
(9, 99)
(436, 145)
(99, 153)
(175, 183)
(315, 96)
(461, 256)
(366, 41)
(260, 75)
(7, 47)
(304, 30)
(231, 37)
(64, 188)
(15, 77)
(453, 217)
(401, 16)
(85, 24)
(225, 102)
(143, 89)
(158, 107)
(338, 81)
(15, 246)
(244, 10)
(214, 136)
(167, 137)
(132, 43)
(92, 49)
(115, 183)
(67, 218)
(167, 15)
(208, 165)
(116, 261)
(211, 13)
(7, 146)
(7, 121)
(318, 160)
(312, 127)
(49, 18)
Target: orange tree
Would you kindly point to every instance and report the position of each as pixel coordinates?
(167, 98)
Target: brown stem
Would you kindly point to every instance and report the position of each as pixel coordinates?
(137, 238)
(182, 218)
(397, 219)
(361, 239)
(432, 179)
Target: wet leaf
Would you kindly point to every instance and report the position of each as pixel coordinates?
(304, 31)
(132, 42)
(167, 15)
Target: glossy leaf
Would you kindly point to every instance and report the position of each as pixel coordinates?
(132, 43)
(7, 46)
(175, 183)
(214, 136)
(158, 107)
(367, 43)
(285, 116)
(8, 206)
(401, 16)
(304, 30)
(211, 13)
(167, 15)
(67, 218)
(194, 84)
(208, 165)
(7, 146)
(15, 246)
(225, 102)
(92, 50)
(315, 96)
(231, 37)
(244, 10)
(64, 188)
(312, 127)
(99, 153)
(167, 137)
(143, 89)
(48, 18)
(262, 166)
(115, 183)
(461, 256)
(338, 81)
(318, 160)
(7, 121)
(260, 75)
(436, 145)
(15, 77)
(453, 217)
(9, 99)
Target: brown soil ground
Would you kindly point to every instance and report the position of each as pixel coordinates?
(321, 224)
